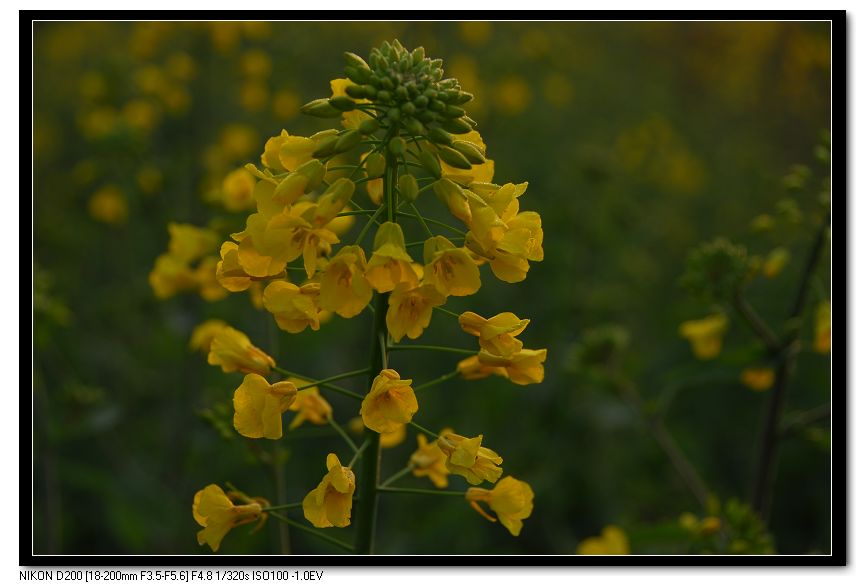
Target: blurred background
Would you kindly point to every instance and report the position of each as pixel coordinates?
(639, 141)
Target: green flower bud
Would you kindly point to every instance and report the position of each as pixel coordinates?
(453, 158)
(388, 84)
(347, 141)
(469, 151)
(463, 97)
(471, 122)
(456, 125)
(431, 164)
(368, 126)
(371, 91)
(401, 93)
(342, 103)
(407, 186)
(413, 125)
(325, 147)
(396, 145)
(421, 101)
(356, 91)
(453, 111)
(428, 116)
(436, 105)
(437, 135)
(359, 76)
(430, 93)
(408, 108)
(355, 61)
(314, 171)
(417, 56)
(375, 165)
(394, 114)
(383, 96)
(320, 108)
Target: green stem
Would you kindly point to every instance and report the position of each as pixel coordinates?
(434, 222)
(334, 388)
(431, 434)
(343, 434)
(438, 380)
(421, 491)
(395, 477)
(421, 220)
(372, 220)
(301, 527)
(334, 378)
(356, 213)
(395, 348)
(447, 311)
(281, 507)
(358, 452)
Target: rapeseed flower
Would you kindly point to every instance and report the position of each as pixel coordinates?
(497, 335)
(705, 335)
(466, 457)
(472, 368)
(451, 270)
(410, 310)
(233, 351)
(295, 308)
(214, 510)
(612, 541)
(758, 379)
(344, 289)
(259, 405)
(329, 504)
(430, 461)
(390, 264)
(390, 402)
(309, 406)
(203, 334)
(523, 368)
(510, 499)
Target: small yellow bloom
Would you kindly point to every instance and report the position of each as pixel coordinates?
(612, 541)
(429, 460)
(286, 152)
(390, 403)
(109, 206)
(329, 504)
(449, 269)
(390, 264)
(213, 510)
(208, 285)
(410, 310)
(497, 335)
(309, 405)
(295, 308)
(259, 405)
(775, 262)
(510, 499)
(469, 459)
(237, 188)
(233, 351)
(229, 273)
(523, 368)
(823, 328)
(472, 368)
(758, 379)
(204, 333)
(188, 242)
(170, 275)
(375, 190)
(344, 289)
(705, 335)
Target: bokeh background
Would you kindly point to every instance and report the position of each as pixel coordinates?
(639, 141)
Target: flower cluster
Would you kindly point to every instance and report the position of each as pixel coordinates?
(404, 133)
(188, 265)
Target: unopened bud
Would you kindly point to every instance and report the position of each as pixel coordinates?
(469, 151)
(451, 111)
(342, 103)
(355, 61)
(347, 141)
(375, 165)
(431, 164)
(320, 108)
(325, 147)
(439, 136)
(457, 125)
(396, 145)
(368, 126)
(413, 125)
(408, 188)
(453, 158)
(356, 91)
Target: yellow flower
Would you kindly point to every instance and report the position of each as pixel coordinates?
(205, 279)
(823, 328)
(375, 190)
(523, 368)
(109, 206)
(309, 405)
(355, 117)
(229, 273)
(344, 289)
(188, 242)
(429, 460)
(329, 504)
(204, 333)
(469, 459)
(449, 269)
(393, 438)
(237, 188)
(295, 308)
(775, 262)
(390, 264)
(389, 404)
(496, 334)
(705, 335)
(510, 499)
(758, 379)
(170, 275)
(482, 173)
(233, 351)
(213, 510)
(285, 152)
(472, 368)
(410, 310)
(259, 405)
(612, 541)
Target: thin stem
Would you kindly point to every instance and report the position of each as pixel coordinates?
(281, 507)
(447, 311)
(800, 420)
(334, 388)
(342, 434)
(431, 434)
(358, 452)
(300, 526)
(372, 220)
(434, 222)
(755, 321)
(334, 378)
(441, 379)
(394, 348)
(421, 220)
(421, 491)
(395, 477)
(356, 213)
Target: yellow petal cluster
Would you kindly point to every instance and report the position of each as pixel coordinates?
(390, 402)
(213, 510)
(705, 335)
(176, 270)
(233, 351)
(758, 379)
(344, 289)
(451, 270)
(525, 367)
(612, 541)
(259, 405)
(295, 308)
(510, 499)
(204, 333)
(329, 504)
(466, 457)
(309, 406)
(410, 310)
(390, 264)
(496, 335)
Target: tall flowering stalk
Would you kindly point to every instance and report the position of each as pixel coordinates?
(404, 133)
